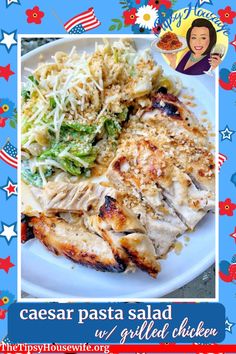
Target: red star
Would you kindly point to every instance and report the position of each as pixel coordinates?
(11, 188)
(6, 264)
(234, 42)
(5, 71)
(233, 234)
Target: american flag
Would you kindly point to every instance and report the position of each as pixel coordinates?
(9, 154)
(222, 159)
(82, 22)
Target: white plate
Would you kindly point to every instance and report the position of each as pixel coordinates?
(164, 51)
(48, 276)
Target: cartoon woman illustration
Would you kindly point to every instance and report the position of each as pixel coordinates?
(201, 57)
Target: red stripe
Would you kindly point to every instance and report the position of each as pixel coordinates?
(83, 14)
(142, 348)
(78, 18)
(8, 162)
(90, 19)
(76, 22)
(222, 159)
(7, 159)
(93, 26)
(12, 159)
(173, 348)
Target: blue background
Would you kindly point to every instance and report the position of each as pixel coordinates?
(69, 331)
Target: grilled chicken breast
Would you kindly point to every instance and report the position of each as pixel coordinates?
(162, 225)
(116, 221)
(112, 221)
(76, 242)
(179, 133)
(143, 166)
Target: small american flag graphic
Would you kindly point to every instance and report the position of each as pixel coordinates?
(9, 154)
(82, 22)
(222, 159)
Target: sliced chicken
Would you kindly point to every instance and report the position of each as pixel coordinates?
(124, 232)
(76, 242)
(118, 217)
(162, 226)
(141, 250)
(147, 202)
(150, 173)
(170, 112)
(96, 225)
(178, 132)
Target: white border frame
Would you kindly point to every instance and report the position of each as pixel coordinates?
(81, 300)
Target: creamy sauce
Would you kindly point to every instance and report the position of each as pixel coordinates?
(178, 248)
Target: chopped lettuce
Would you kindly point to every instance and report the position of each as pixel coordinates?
(82, 128)
(52, 103)
(112, 128)
(73, 157)
(33, 178)
(76, 149)
(25, 94)
(32, 78)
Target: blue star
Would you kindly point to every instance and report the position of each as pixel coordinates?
(8, 39)
(226, 134)
(10, 188)
(10, 2)
(229, 325)
(202, 2)
(8, 231)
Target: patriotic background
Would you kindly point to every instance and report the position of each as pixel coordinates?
(14, 20)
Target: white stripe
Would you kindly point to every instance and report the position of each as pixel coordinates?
(9, 162)
(5, 154)
(91, 23)
(72, 24)
(222, 159)
(78, 18)
(93, 26)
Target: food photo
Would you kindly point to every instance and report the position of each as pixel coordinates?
(117, 169)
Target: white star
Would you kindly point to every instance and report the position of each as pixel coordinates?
(8, 39)
(228, 325)
(8, 232)
(202, 2)
(10, 2)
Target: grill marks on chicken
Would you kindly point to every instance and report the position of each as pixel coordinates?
(118, 217)
(76, 242)
(116, 221)
(102, 216)
(182, 139)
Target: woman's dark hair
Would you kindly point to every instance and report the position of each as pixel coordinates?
(202, 22)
